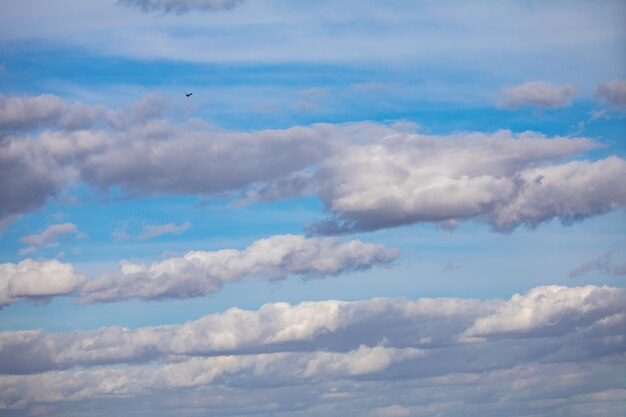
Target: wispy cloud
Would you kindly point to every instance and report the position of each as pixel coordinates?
(150, 231)
(538, 94)
(181, 6)
(602, 265)
(49, 237)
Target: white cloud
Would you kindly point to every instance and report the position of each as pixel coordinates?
(550, 346)
(36, 280)
(537, 93)
(47, 237)
(181, 6)
(548, 308)
(198, 273)
(612, 94)
(504, 179)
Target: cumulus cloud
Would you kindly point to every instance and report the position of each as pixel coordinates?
(503, 179)
(47, 237)
(565, 341)
(182, 6)
(553, 309)
(198, 272)
(368, 175)
(539, 94)
(602, 264)
(36, 280)
(612, 94)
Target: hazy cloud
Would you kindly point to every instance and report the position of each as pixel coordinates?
(47, 237)
(150, 231)
(182, 6)
(537, 93)
(612, 94)
(602, 264)
(36, 280)
(198, 273)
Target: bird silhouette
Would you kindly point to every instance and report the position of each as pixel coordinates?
(188, 94)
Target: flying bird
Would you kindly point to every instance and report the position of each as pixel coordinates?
(188, 94)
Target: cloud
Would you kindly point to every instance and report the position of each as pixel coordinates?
(503, 179)
(603, 265)
(36, 280)
(548, 310)
(198, 273)
(539, 94)
(47, 237)
(144, 156)
(368, 175)
(150, 231)
(553, 347)
(612, 94)
(181, 6)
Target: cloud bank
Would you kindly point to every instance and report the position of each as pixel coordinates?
(369, 176)
(567, 342)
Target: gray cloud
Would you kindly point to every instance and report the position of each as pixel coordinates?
(537, 93)
(344, 352)
(368, 175)
(612, 94)
(37, 280)
(182, 6)
(503, 179)
(602, 264)
(146, 156)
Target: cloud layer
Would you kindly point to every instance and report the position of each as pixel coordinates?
(343, 352)
(368, 175)
(198, 272)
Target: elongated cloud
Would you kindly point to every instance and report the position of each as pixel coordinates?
(369, 176)
(37, 280)
(182, 6)
(198, 273)
(539, 94)
(48, 236)
(341, 351)
(503, 179)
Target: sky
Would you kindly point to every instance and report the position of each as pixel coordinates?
(364, 208)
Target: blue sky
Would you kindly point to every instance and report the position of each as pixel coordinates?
(435, 189)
